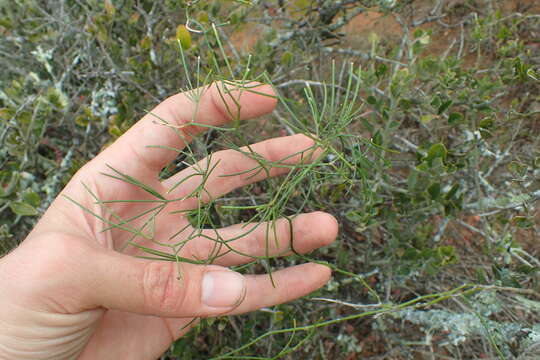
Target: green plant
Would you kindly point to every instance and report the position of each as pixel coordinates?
(429, 157)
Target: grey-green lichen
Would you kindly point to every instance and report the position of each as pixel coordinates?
(479, 322)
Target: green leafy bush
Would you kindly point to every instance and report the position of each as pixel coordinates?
(430, 162)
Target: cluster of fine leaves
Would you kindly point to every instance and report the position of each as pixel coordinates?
(426, 111)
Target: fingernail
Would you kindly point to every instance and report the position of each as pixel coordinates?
(223, 289)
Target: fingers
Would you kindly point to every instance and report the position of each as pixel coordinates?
(239, 244)
(155, 288)
(290, 283)
(168, 125)
(227, 170)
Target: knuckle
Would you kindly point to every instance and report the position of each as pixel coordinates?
(199, 248)
(221, 157)
(163, 289)
(271, 153)
(207, 247)
(282, 234)
(231, 162)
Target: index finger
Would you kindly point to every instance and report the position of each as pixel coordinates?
(154, 141)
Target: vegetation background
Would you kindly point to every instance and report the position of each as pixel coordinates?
(431, 160)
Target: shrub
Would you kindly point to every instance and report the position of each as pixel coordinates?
(430, 161)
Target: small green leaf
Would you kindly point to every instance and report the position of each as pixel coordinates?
(203, 17)
(115, 131)
(453, 190)
(287, 58)
(517, 168)
(183, 36)
(133, 181)
(418, 33)
(436, 102)
(446, 255)
(31, 198)
(279, 316)
(381, 70)
(426, 119)
(444, 106)
(533, 75)
(434, 190)
(503, 33)
(486, 123)
(146, 43)
(455, 118)
(523, 222)
(405, 104)
(22, 209)
(436, 151)
(377, 139)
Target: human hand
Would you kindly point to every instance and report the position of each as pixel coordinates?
(68, 292)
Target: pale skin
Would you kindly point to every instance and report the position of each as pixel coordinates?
(68, 292)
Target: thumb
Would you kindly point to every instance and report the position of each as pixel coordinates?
(165, 288)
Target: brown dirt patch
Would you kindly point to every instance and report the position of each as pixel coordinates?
(358, 29)
(245, 38)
